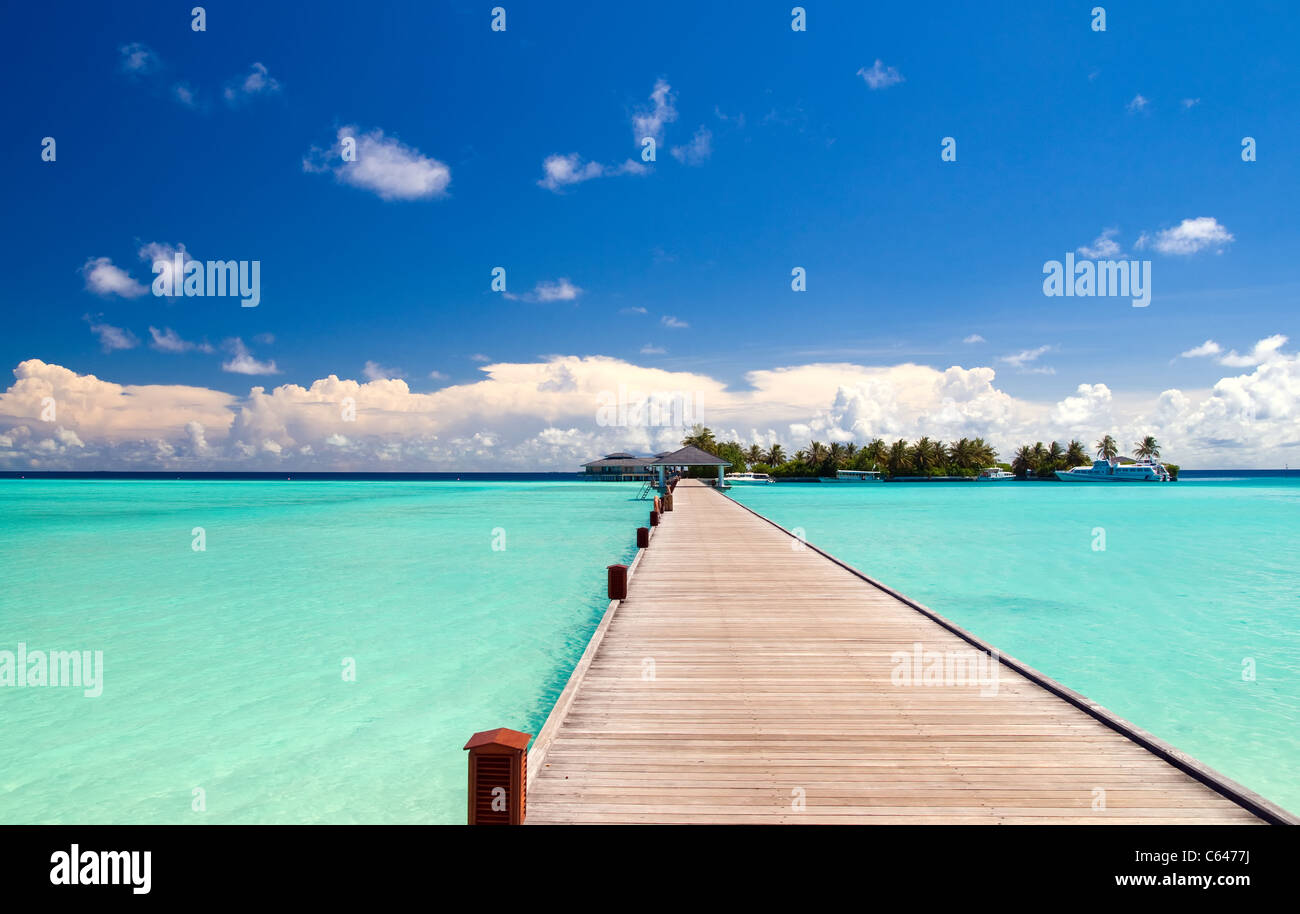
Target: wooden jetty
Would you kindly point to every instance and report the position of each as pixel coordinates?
(751, 678)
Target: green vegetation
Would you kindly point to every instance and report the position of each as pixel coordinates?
(923, 457)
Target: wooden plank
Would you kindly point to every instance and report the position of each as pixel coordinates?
(750, 678)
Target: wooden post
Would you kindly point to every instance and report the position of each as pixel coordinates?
(654, 518)
(659, 504)
(617, 582)
(498, 765)
(668, 502)
(643, 537)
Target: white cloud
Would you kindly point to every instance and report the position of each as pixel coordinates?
(169, 340)
(1089, 407)
(549, 291)
(651, 349)
(1191, 102)
(259, 81)
(1103, 247)
(161, 258)
(111, 338)
(1209, 347)
(560, 171)
(1266, 350)
(880, 76)
(542, 415)
(632, 310)
(1140, 103)
(383, 165)
(243, 362)
(436, 375)
(138, 58)
(479, 357)
(698, 150)
(184, 94)
(669, 321)
(1189, 237)
(1024, 360)
(103, 278)
(974, 338)
(662, 110)
(373, 371)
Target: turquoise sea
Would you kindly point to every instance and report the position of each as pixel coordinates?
(223, 669)
(1199, 580)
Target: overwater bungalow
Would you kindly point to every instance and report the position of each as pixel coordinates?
(621, 467)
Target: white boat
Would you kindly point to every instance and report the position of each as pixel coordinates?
(1144, 470)
(995, 474)
(853, 476)
(749, 479)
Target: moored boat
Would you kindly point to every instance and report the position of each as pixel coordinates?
(1144, 470)
(749, 479)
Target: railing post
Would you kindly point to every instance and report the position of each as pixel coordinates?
(643, 537)
(668, 502)
(654, 518)
(617, 582)
(498, 768)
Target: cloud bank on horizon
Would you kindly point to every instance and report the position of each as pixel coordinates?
(546, 415)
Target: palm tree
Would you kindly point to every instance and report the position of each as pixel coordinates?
(925, 455)
(1023, 462)
(1148, 447)
(1075, 455)
(817, 453)
(754, 454)
(875, 453)
(1107, 448)
(985, 455)
(897, 460)
(1040, 455)
(964, 454)
(701, 438)
(775, 455)
(1055, 457)
(836, 454)
(850, 451)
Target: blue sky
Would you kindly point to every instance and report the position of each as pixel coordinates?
(1063, 133)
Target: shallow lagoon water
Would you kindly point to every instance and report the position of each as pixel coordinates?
(223, 669)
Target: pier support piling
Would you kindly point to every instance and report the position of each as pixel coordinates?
(498, 762)
(617, 582)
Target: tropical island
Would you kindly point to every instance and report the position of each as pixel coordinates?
(925, 457)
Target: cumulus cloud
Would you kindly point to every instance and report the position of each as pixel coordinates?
(138, 59)
(649, 121)
(1024, 360)
(880, 76)
(1103, 247)
(561, 171)
(373, 371)
(382, 165)
(257, 82)
(161, 258)
(1189, 237)
(1266, 350)
(543, 415)
(243, 362)
(698, 150)
(103, 278)
(547, 291)
(110, 337)
(168, 340)
(1209, 347)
